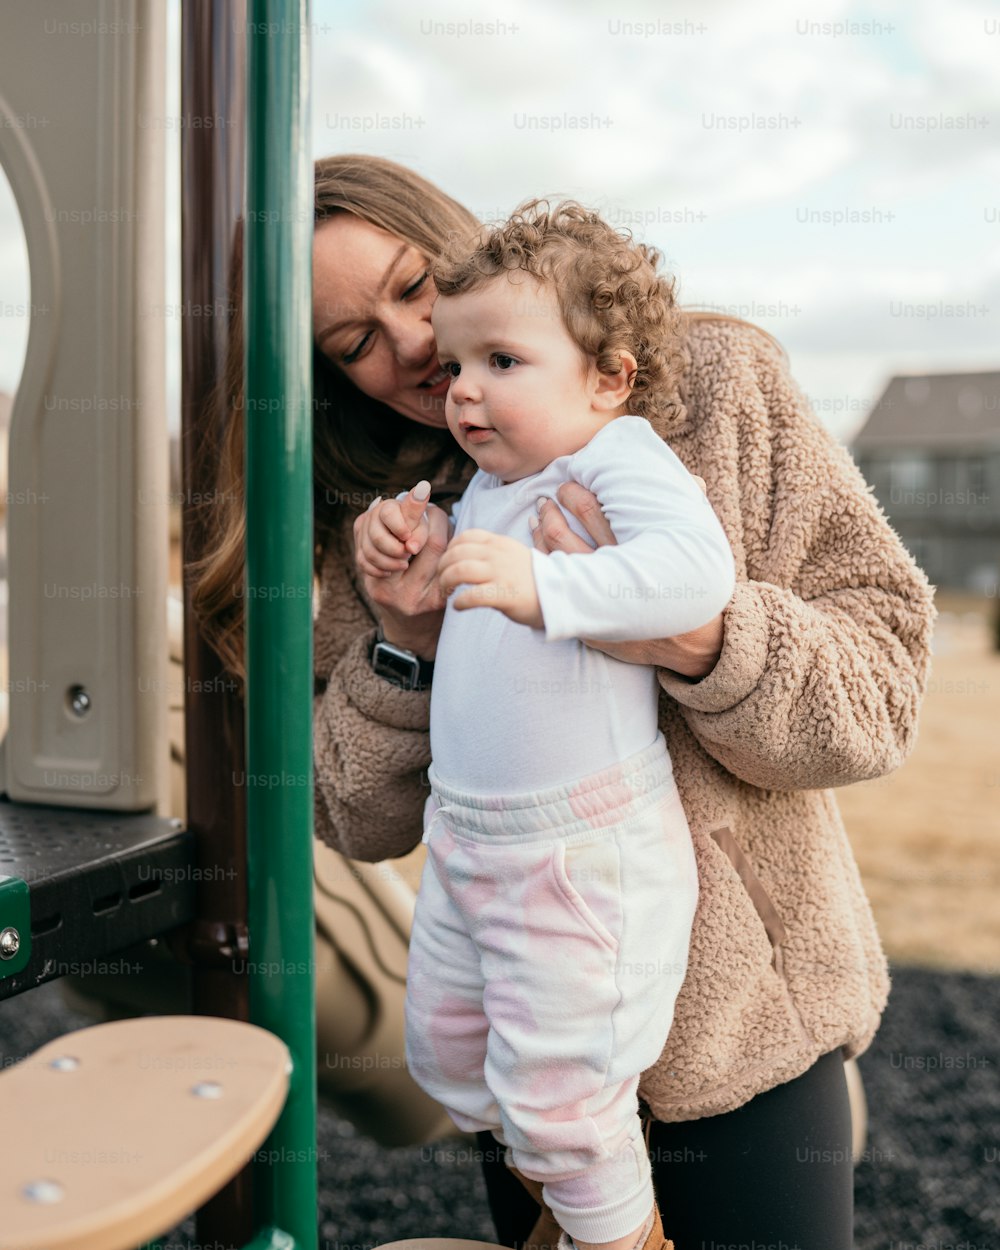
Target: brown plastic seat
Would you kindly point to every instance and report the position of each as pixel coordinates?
(113, 1134)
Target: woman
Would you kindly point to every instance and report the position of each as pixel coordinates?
(811, 678)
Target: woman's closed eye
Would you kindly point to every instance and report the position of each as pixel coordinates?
(414, 287)
(408, 293)
(350, 357)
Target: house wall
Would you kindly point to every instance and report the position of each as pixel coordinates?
(945, 506)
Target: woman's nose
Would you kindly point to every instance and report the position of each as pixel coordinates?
(413, 339)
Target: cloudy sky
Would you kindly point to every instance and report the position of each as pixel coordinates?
(831, 173)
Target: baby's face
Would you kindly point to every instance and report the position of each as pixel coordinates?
(521, 389)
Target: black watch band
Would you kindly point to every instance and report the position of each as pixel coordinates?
(398, 665)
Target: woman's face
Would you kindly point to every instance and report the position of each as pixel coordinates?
(372, 300)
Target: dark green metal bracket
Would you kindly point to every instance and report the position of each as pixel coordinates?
(15, 926)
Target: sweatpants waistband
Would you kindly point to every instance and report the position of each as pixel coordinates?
(604, 800)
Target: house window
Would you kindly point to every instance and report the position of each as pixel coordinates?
(908, 474)
(973, 476)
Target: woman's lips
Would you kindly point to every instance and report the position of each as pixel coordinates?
(437, 383)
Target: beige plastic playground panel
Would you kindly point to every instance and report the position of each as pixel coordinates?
(82, 142)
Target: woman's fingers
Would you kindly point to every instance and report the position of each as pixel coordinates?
(424, 565)
(554, 532)
(412, 508)
(369, 570)
(538, 534)
(586, 507)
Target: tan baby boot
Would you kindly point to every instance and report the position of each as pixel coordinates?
(545, 1234)
(655, 1239)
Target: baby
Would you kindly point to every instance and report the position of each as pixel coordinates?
(552, 924)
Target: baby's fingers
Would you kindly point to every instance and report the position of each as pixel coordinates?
(375, 543)
(484, 595)
(466, 568)
(388, 529)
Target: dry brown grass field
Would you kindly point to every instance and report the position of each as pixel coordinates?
(927, 836)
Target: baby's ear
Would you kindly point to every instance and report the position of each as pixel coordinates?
(612, 390)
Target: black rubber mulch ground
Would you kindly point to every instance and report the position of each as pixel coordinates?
(930, 1179)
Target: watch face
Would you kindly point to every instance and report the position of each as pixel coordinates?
(390, 661)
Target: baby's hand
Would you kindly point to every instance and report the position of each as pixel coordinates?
(391, 531)
(500, 571)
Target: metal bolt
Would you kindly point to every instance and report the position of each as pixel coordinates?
(79, 700)
(43, 1191)
(207, 1089)
(65, 1063)
(10, 943)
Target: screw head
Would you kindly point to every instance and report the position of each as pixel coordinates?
(10, 943)
(43, 1191)
(79, 700)
(207, 1089)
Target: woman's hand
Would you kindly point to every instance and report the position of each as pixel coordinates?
(407, 593)
(693, 654)
(390, 531)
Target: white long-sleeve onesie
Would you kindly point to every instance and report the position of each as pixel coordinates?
(551, 932)
(514, 707)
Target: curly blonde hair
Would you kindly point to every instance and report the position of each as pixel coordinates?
(610, 292)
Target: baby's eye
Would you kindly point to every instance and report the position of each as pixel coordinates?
(502, 361)
(452, 367)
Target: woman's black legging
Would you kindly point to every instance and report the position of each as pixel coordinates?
(775, 1172)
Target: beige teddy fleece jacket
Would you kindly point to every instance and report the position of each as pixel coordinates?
(824, 664)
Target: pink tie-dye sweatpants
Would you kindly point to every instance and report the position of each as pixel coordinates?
(548, 946)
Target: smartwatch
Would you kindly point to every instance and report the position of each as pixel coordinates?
(401, 667)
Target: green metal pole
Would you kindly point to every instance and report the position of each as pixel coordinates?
(278, 397)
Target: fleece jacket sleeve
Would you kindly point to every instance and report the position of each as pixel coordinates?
(826, 656)
(371, 739)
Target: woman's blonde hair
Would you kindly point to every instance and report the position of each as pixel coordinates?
(361, 448)
(610, 293)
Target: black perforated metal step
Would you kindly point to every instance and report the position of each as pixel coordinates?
(98, 881)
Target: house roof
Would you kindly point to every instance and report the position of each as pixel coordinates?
(935, 411)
